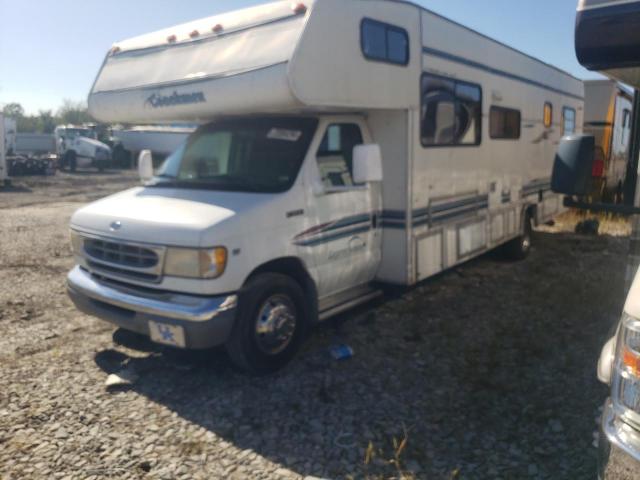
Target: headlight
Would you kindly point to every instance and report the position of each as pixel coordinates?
(626, 371)
(195, 263)
(76, 242)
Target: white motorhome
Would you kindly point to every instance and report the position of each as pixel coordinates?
(78, 146)
(607, 116)
(343, 145)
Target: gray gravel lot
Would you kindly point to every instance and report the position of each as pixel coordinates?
(487, 371)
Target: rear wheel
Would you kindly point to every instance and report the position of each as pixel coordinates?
(271, 325)
(519, 248)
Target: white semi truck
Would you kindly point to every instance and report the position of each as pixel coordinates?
(161, 140)
(78, 147)
(343, 145)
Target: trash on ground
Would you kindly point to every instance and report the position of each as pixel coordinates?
(341, 352)
(122, 378)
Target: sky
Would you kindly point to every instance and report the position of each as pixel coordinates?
(52, 50)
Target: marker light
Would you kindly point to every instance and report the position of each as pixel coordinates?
(172, 39)
(194, 34)
(299, 8)
(217, 28)
(115, 50)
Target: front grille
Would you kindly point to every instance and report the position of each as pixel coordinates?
(124, 255)
(122, 272)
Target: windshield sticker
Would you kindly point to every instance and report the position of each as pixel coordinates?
(284, 134)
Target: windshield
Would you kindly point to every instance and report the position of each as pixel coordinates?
(80, 132)
(260, 155)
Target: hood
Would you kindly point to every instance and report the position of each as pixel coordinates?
(93, 143)
(162, 216)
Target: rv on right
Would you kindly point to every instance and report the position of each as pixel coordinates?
(607, 116)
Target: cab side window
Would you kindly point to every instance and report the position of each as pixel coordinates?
(335, 155)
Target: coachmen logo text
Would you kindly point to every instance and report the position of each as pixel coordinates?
(161, 101)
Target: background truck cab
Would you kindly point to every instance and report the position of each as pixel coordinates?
(78, 147)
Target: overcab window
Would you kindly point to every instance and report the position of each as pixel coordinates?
(384, 43)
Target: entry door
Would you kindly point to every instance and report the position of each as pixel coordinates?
(346, 240)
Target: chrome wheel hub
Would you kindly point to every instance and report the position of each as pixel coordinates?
(275, 325)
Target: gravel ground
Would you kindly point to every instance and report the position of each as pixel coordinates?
(487, 371)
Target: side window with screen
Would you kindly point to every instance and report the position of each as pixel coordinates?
(504, 123)
(384, 43)
(451, 112)
(569, 121)
(335, 155)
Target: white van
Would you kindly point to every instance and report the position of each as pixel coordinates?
(343, 145)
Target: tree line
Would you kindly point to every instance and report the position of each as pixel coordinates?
(71, 112)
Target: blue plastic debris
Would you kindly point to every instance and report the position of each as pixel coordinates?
(341, 352)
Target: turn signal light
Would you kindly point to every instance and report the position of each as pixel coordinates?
(299, 8)
(632, 361)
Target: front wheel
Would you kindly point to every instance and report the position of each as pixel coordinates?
(271, 325)
(519, 248)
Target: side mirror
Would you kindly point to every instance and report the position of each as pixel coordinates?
(367, 164)
(573, 166)
(145, 165)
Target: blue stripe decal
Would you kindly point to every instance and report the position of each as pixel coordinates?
(435, 209)
(495, 71)
(349, 221)
(330, 238)
(396, 219)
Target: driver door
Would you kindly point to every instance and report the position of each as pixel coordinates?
(346, 241)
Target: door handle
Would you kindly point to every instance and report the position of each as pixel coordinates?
(357, 243)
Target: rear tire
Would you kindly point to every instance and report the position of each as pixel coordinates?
(519, 248)
(271, 325)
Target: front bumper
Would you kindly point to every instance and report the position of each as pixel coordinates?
(618, 448)
(206, 321)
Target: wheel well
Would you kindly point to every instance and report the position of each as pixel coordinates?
(295, 269)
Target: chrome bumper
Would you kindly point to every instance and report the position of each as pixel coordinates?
(207, 321)
(618, 448)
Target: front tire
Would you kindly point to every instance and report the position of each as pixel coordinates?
(519, 248)
(271, 325)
